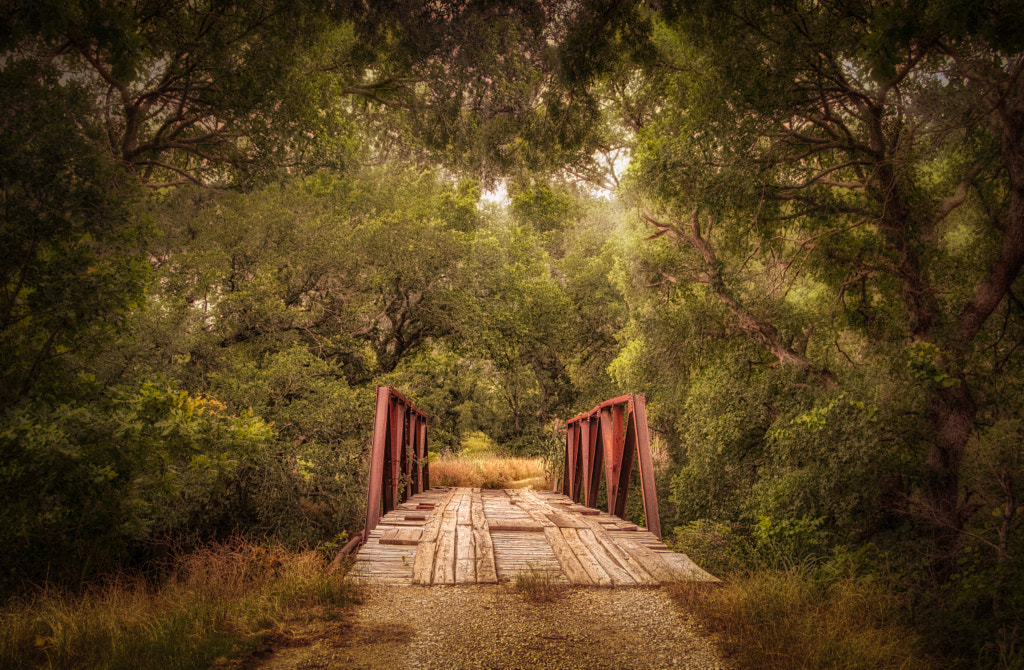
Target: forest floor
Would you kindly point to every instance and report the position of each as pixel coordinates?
(484, 626)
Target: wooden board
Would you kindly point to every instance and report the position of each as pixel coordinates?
(408, 536)
(485, 569)
(566, 521)
(514, 526)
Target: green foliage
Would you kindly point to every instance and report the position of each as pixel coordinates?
(925, 363)
(103, 478)
(827, 326)
(544, 208)
(477, 444)
(823, 323)
(72, 261)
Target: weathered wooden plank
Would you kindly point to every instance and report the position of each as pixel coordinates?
(566, 521)
(483, 536)
(636, 569)
(652, 562)
(619, 574)
(423, 568)
(486, 569)
(593, 568)
(514, 526)
(465, 555)
(687, 570)
(423, 565)
(567, 560)
(565, 554)
(444, 560)
(464, 511)
(406, 536)
(599, 564)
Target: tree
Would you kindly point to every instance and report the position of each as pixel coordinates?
(840, 150)
(186, 92)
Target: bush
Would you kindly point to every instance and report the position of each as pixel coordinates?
(116, 480)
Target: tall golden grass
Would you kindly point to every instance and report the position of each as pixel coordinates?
(218, 603)
(491, 472)
(784, 620)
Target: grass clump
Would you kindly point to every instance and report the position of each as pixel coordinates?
(217, 603)
(537, 586)
(785, 619)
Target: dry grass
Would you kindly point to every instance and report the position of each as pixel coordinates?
(490, 472)
(784, 620)
(537, 586)
(218, 603)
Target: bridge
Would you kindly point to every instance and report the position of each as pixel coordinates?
(415, 534)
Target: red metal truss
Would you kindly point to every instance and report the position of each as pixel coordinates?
(398, 457)
(619, 426)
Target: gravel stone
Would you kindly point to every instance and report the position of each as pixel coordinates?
(479, 626)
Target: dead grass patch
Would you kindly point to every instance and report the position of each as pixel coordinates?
(219, 603)
(785, 620)
(492, 472)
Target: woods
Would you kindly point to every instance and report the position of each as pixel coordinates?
(798, 228)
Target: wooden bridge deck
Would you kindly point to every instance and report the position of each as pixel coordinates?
(474, 536)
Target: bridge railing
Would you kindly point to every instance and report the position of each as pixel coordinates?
(398, 457)
(605, 441)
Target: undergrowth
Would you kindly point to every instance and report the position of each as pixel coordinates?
(785, 619)
(785, 604)
(217, 603)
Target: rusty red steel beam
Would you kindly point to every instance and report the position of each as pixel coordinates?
(352, 543)
(622, 399)
(398, 455)
(608, 439)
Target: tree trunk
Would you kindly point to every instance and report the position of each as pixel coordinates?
(951, 414)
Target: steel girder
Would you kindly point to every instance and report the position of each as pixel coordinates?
(398, 458)
(604, 441)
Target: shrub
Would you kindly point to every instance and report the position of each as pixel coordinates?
(101, 479)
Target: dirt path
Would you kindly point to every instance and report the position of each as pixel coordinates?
(495, 627)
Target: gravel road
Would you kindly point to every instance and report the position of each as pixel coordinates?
(495, 627)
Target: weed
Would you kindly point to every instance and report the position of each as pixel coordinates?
(219, 602)
(537, 586)
(783, 619)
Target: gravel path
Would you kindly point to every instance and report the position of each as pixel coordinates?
(495, 627)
